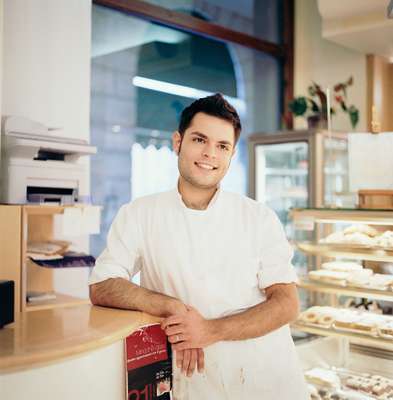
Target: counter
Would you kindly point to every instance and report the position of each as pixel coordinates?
(65, 350)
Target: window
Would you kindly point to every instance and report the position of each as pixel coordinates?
(143, 75)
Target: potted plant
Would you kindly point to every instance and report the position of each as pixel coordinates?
(314, 106)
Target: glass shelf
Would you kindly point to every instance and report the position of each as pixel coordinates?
(346, 251)
(357, 338)
(329, 288)
(348, 215)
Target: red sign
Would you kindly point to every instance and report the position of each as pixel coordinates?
(146, 346)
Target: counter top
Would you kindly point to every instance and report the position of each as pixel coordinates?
(42, 337)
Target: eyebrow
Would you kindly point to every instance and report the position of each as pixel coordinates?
(196, 133)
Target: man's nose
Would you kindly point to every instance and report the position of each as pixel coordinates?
(209, 151)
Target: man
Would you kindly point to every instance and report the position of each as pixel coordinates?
(215, 265)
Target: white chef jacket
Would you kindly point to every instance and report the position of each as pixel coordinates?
(218, 260)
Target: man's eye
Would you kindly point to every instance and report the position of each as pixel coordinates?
(198, 140)
(223, 147)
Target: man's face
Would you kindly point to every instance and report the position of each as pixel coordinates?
(205, 151)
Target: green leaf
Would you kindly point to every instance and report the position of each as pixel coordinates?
(298, 106)
(353, 116)
(314, 106)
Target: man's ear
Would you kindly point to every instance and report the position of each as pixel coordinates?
(176, 142)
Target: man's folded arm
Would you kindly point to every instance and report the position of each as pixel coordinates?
(280, 308)
(120, 293)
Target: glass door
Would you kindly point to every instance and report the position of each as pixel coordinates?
(281, 182)
(336, 173)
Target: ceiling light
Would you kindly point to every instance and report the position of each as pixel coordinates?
(183, 91)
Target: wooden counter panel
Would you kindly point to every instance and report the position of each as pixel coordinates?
(47, 336)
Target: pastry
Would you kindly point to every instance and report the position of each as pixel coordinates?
(379, 389)
(312, 390)
(335, 237)
(361, 228)
(344, 266)
(345, 321)
(366, 323)
(385, 240)
(312, 314)
(380, 281)
(321, 376)
(359, 238)
(386, 329)
(309, 316)
(335, 277)
(325, 320)
(366, 386)
(360, 278)
(353, 383)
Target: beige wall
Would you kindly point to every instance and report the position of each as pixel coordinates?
(380, 91)
(46, 63)
(46, 77)
(326, 63)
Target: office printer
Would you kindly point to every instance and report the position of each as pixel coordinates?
(41, 168)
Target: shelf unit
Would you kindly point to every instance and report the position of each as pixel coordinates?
(20, 224)
(311, 219)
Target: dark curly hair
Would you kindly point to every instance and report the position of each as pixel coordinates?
(214, 105)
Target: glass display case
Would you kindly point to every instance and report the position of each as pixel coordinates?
(349, 281)
(299, 169)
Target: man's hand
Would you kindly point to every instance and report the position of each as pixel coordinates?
(189, 359)
(188, 330)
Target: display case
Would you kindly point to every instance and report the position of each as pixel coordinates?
(349, 282)
(295, 169)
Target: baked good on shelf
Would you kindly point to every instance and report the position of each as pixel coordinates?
(309, 316)
(360, 278)
(353, 382)
(361, 228)
(319, 315)
(349, 238)
(359, 238)
(335, 237)
(357, 234)
(385, 329)
(323, 377)
(380, 281)
(329, 276)
(367, 323)
(312, 390)
(325, 320)
(344, 266)
(345, 319)
(385, 240)
(379, 388)
(358, 321)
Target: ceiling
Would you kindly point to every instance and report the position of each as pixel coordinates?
(361, 25)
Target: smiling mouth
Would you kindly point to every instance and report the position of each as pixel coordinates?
(207, 167)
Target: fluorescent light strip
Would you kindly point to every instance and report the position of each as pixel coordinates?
(184, 91)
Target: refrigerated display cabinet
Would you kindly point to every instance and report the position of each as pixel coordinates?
(295, 169)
